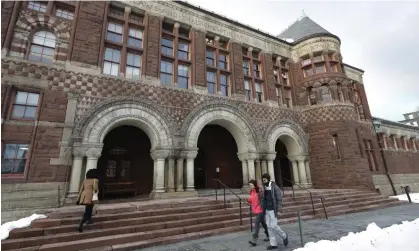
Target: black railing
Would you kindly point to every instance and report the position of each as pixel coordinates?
(311, 197)
(225, 203)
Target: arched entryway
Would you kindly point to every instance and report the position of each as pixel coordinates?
(217, 148)
(125, 166)
(282, 165)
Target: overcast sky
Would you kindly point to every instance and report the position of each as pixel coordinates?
(382, 38)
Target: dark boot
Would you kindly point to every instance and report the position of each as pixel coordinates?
(286, 241)
(267, 236)
(272, 247)
(80, 226)
(254, 240)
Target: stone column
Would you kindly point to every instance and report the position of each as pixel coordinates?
(258, 171)
(295, 175)
(302, 170)
(159, 157)
(190, 175)
(245, 174)
(76, 169)
(264, 167)
(179, 175)
(271, 157)
(171, 175)
(308, 173)
(251, 169)
(93, 155)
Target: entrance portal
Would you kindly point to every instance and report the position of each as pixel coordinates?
(217, 148)
(282, 165)
(125, 167)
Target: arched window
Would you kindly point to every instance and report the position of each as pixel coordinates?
(326, 97)
(42, 47)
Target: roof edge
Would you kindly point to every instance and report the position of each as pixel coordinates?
(394, 123)
(218, 16)
(317, 35)
(353, 67)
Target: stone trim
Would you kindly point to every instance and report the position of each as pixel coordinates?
(289, 128)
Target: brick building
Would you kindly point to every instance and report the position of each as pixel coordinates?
(157, 95)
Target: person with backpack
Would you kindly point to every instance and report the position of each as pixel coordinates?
(254, 199)
(272, 201)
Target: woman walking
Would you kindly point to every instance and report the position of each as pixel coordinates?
(254, 200)
(88, 196)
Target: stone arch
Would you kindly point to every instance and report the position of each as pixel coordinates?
(110, 114)
(27, 25)
(227, 116)
(291, 134)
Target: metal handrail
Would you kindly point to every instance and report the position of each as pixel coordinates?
(240, 201)
(311, 197)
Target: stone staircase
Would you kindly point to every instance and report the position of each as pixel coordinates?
(136, 225)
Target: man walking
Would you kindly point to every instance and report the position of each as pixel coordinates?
(272, 200)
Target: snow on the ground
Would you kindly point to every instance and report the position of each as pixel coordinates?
(403, 237)
(21, 223)
(413, 196)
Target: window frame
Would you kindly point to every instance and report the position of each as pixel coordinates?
(37, 2)
(258, 94)
(220, 62)
(111, 21)
(246, 68)
(256, 70)
(135, 38)
(31, 43)
(68, 11)
(165, 47)
(209, 58)
(133, 66)
(166, 73)
(13, 103)
(212, 83)
(226, 86)
(183, 51)
(247, 92)
(28, 156)
(183, 77)
(112, 62)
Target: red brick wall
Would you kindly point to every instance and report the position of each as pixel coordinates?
(200, 58)
(326, 170)
(269, 81)
(153, 46)
(54, 107)
(237, 67)
(6, 13)
(87, 40)
(363, 96)
(297, 79)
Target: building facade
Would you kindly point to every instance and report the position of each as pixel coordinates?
(411, 118)
(159, 96)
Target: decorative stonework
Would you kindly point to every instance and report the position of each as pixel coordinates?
(94, 152)
(159, 154)
(290, 133)
(224, 115)
(328, 112)
(189, 153)
(313, 45)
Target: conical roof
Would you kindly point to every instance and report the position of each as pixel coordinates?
(302, 28)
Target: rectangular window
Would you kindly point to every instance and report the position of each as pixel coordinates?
(308, 72)
(167, 47)
(111, 62)
(306, 62)
(38, 6)
(25, 105)
(278, 95)
(256, 70)
(210, 58)
(222, 61)
(318, 58)
(336, 145)
(211, 82)
(370, 153)
(133, 70)
(247, 90)
(276, 77)
(258, 89)
(183, 76)
(284, 76)
(136, 18)
(114, 33)
(183, 32)
(246, 68)
(320, 68)
(224, 85)
(166, 72)
(359, 143)
(64, 14)
(13, 160)
(168, 27)
(135, 38)
(183, 51)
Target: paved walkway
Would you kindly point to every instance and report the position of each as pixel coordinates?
(314, 230)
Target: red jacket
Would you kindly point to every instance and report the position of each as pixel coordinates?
(254, 200)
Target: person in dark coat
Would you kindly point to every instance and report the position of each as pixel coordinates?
(89, 186)
(272, 200)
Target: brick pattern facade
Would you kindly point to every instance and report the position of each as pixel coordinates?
(6, 13)
(320, 121)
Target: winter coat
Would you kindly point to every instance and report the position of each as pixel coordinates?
(254, 200)
(277, 197)
(87, 189)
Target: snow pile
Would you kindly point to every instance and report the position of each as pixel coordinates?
(403, 237)
(413, 196)
(24, 222)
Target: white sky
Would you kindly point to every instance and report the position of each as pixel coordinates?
(381, 38)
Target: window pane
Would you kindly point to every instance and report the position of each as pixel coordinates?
(33, 99)
(210, 61)
(108, 54)
(6, 166)
(166, 78)
(36, 49)
(10, 151)
(107, 68)
(118, 28)
(116, 56)
(137, 60)
(22, 151)
(18, 111)
(130, 59)
(38, 38)
(320, 68)
(50, 42)
(135, 42)
(210, 76)
(183, 55)
(46, 59)
(183, 82)
(183, 47)
(115, 69)
(224, 90)
(34, 57)
(211, 88)
(111, 27)
(210, 54)
(19, 166)
(48, 52)
(223, 80)
(246, 85)
(30, 112)
(128, 72)
(167, 43)
(136, 73)
(183, 70)
(257, 86)
(21, 97)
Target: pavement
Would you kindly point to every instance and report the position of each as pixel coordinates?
(313, 231)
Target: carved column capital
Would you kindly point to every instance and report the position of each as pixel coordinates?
(177, 25)
(72, 95)
(127, 9)
(94, 152)
(250, 49)
(79, 152)
(189, 153)
(159, 154)
(248, 156)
